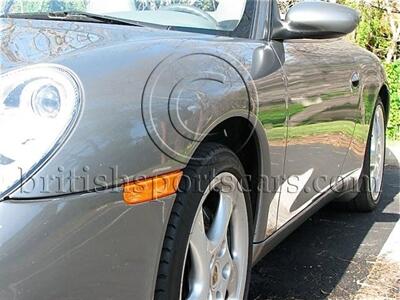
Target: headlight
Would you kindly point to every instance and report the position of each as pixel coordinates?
(38, 106)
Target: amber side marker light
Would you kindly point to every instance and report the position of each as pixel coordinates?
(151, 188)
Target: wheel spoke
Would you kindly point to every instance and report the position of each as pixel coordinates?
(227, 268)
(199, 273)
(233, 280)
(220, 224)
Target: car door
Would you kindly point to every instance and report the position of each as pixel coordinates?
(320, 120)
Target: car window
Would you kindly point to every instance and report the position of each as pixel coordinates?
(205, 14)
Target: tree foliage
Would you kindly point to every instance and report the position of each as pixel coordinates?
(379, 28)
(393, 74)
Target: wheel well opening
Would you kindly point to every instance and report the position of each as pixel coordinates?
(238, 134)
(385, 97)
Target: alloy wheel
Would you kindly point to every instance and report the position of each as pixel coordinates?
(217, 252)
(377, 153)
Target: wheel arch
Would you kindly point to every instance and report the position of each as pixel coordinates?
(384, 95)
(246, 137)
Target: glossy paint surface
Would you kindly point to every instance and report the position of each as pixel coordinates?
(80, 247)
(320, 125)
(150, 98)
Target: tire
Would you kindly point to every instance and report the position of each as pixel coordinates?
(370, 192)
(199, 202)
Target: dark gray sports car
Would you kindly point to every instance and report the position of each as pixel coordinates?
(158, 149)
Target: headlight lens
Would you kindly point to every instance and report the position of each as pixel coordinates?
(38, 105)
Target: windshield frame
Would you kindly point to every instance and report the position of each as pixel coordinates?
(242, 30)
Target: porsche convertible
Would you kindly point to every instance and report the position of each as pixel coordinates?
(159, 149)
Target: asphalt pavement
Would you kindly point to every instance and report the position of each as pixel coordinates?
(337, 254)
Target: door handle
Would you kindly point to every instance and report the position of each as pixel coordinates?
(355, 80)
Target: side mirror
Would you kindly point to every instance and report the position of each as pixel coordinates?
(316, 20)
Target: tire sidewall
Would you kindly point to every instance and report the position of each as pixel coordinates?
(365, 201)
(197, 177)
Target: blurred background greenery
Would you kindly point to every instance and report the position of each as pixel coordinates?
(378, 32)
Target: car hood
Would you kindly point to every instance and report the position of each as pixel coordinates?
(25, 42)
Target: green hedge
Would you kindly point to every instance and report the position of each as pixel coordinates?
(393, 73)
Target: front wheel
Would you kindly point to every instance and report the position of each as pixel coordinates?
(207, 248)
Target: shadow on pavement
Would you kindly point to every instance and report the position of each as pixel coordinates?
(331, 253)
